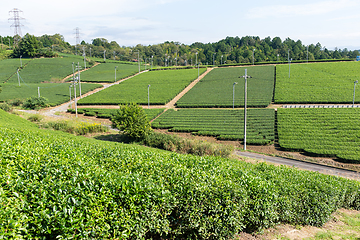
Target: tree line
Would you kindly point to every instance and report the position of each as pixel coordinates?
(230, 50)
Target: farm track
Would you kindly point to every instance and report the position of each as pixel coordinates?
(302, 165)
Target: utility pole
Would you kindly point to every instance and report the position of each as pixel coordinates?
(104, 56)
(245, 103)
(70, 91)
(84, 57)
(354, 93)
(115, 73)
(149, 96)
(16, 24)
(78, 68)
(138, 52)
(38, 92)
(152, 60)
(253, 56)
(74, 84)
(307, 53)
(234, 94)
(17, 72)
(114, 55)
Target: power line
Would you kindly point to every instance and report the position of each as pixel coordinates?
(17, 25)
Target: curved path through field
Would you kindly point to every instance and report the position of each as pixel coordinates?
(302, 165)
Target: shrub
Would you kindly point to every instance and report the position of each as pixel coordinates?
(132, 120)
(16, 102)
(35, 118)
(6, 107)
(176, 144)
(84, 128)
(35, 102)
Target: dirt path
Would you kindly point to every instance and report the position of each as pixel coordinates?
(171, 104)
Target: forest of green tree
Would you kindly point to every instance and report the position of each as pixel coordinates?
(231, 50)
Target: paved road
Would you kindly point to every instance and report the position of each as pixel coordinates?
(302, 165)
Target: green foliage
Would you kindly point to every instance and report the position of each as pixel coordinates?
(28, 47)
(55, 185)
(221, 123)
(132, 120)
(35, 102)
(322, 131)
(35, 118)
(108, 113)
(56, 93)
(216, 88)
(6, 107)
(78, 128)
(316, 83)
(165, 85)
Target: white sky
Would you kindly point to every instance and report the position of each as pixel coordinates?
(333, 23)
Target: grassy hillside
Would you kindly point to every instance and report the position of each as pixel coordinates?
(55, 185)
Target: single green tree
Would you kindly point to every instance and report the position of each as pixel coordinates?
(132, 120)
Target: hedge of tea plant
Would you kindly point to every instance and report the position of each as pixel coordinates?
(55, 185)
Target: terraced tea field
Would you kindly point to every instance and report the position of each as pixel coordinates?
(331, 82)
(164, 86)
(47, 70)
(221, 123)
(105, 72)
(9, 67)
(324, 132)
(216, 88)
(56, 93)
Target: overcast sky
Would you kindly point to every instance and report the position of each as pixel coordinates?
(333, 23)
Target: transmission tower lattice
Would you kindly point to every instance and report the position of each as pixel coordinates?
(77, 37)
(17, 25)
